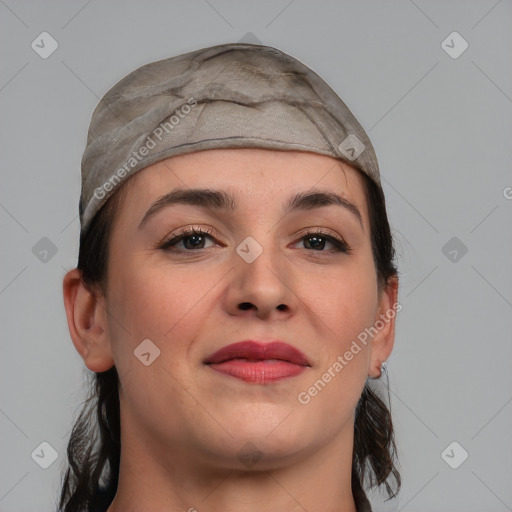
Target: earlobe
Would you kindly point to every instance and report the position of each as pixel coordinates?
(383, 341)
(85, 313)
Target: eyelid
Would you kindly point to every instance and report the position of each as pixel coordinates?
(188, 231)
(320, 230)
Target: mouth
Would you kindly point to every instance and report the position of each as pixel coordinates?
(257, 362)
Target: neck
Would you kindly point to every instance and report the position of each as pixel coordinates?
(171, 479)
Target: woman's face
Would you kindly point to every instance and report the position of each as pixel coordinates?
(205, 292)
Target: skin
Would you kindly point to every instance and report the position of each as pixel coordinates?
(184, 424)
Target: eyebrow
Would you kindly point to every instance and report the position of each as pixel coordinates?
(222, 200)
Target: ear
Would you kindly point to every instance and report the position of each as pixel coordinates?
(86, 316)
(384, 339)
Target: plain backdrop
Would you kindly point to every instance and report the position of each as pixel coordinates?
(440, 117)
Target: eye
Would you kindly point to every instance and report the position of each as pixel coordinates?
(192, 238)
(316, 240)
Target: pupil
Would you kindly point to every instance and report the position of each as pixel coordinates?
(316, 238)
(193, 236)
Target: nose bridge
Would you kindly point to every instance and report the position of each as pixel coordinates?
(258, 255)
(261, 273)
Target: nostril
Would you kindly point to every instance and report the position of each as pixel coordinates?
(245, 305)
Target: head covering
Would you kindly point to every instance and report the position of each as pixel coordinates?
(234, 95)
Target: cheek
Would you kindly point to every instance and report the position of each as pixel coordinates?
(343, 307)
(158, 303)
(166, 307)
(347, 303)
(342, 369)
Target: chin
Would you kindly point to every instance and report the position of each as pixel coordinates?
(258, 453)
(279, 445)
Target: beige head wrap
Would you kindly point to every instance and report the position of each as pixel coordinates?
(233, 95)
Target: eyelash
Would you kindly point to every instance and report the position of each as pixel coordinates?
(341, 245)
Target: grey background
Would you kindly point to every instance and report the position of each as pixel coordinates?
(442, 130)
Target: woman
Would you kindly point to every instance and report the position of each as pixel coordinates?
(235, 293)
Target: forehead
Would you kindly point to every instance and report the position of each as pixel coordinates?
(257, 178)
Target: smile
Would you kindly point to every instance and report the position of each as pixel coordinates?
(258, 362)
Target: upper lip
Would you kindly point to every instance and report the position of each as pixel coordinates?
(258, 351)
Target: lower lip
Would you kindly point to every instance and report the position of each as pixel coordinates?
(260, 372)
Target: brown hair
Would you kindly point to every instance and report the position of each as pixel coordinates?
(93, 452)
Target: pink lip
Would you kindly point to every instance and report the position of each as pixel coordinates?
(252, 361)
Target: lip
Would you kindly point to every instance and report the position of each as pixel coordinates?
(258, 362)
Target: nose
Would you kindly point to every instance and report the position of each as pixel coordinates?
(263, 287)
